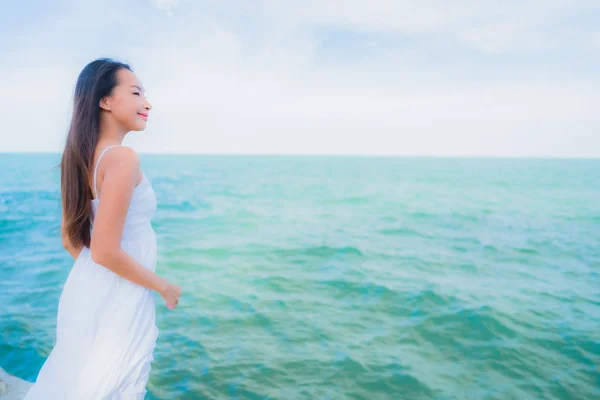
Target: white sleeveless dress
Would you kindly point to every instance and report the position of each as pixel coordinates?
(106, 330)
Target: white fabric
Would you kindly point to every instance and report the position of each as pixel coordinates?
(106, 330)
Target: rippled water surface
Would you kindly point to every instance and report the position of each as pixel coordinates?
(340, 277)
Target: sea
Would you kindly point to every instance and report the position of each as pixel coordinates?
(339, 277)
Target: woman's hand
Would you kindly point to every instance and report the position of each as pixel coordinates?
(171, 293)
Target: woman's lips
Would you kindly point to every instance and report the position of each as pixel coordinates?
(144, 116)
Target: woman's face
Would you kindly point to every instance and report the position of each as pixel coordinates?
(127, 104)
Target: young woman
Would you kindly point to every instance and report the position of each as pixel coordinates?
(106, 330)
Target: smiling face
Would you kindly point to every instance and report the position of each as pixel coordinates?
(127, 104)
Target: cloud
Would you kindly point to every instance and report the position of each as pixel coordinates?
(510, 36)
(229, 102)
(165, 5)
(368, 78)
(595, 39)
(487, 26)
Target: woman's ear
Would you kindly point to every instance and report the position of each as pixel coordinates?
(105, 103)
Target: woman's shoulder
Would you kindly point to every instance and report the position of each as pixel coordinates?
(123, 155)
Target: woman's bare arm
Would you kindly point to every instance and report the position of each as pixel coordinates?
(120, 178)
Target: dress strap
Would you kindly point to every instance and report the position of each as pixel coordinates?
(96, 168)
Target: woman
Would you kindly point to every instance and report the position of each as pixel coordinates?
(106, 329)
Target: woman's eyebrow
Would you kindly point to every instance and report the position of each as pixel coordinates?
(135, 86)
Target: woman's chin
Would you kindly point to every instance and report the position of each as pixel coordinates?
(139, 127)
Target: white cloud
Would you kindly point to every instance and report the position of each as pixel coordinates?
(166, 5)
(250, 78)
(595, 39)
(512, 36)
(490, 26)
(35, 106)
(220, 101)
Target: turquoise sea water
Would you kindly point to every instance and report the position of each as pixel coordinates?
(340, 277)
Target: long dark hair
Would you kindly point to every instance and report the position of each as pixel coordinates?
(96, 80)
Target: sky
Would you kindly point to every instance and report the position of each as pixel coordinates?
(466, 78)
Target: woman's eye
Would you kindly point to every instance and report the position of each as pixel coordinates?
(137, 93)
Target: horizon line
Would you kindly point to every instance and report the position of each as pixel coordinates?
(358, 155)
